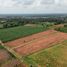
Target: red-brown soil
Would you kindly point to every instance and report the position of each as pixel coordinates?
(14, 63)
(41, 44)
(4, 55)
(24, 40)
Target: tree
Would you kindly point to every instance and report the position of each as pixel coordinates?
(5, 25)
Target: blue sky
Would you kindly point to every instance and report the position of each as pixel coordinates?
(32, 6)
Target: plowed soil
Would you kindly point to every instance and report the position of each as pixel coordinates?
(41, 44)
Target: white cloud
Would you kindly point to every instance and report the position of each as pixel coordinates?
(33, 6)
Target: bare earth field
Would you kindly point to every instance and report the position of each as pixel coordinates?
(36, 42)
(4, 55)
(13, 63)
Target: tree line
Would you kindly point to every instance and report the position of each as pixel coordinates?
(13, 22)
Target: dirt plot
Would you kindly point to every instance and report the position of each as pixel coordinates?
(14, 63)
(27, 39)
(41, 44)
(4, 56)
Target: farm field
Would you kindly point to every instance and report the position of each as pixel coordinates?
(41, 44)
(55, 56)
(9, 34)
(40, 48)
(33, 33)
(42, 41)
(44, 51)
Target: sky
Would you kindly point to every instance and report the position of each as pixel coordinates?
(33, 6)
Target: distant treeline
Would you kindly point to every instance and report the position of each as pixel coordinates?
(17, 21)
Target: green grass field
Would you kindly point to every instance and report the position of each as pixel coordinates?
(55, 56)
(9, 34)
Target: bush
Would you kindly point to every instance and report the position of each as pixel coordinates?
(65, 25)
